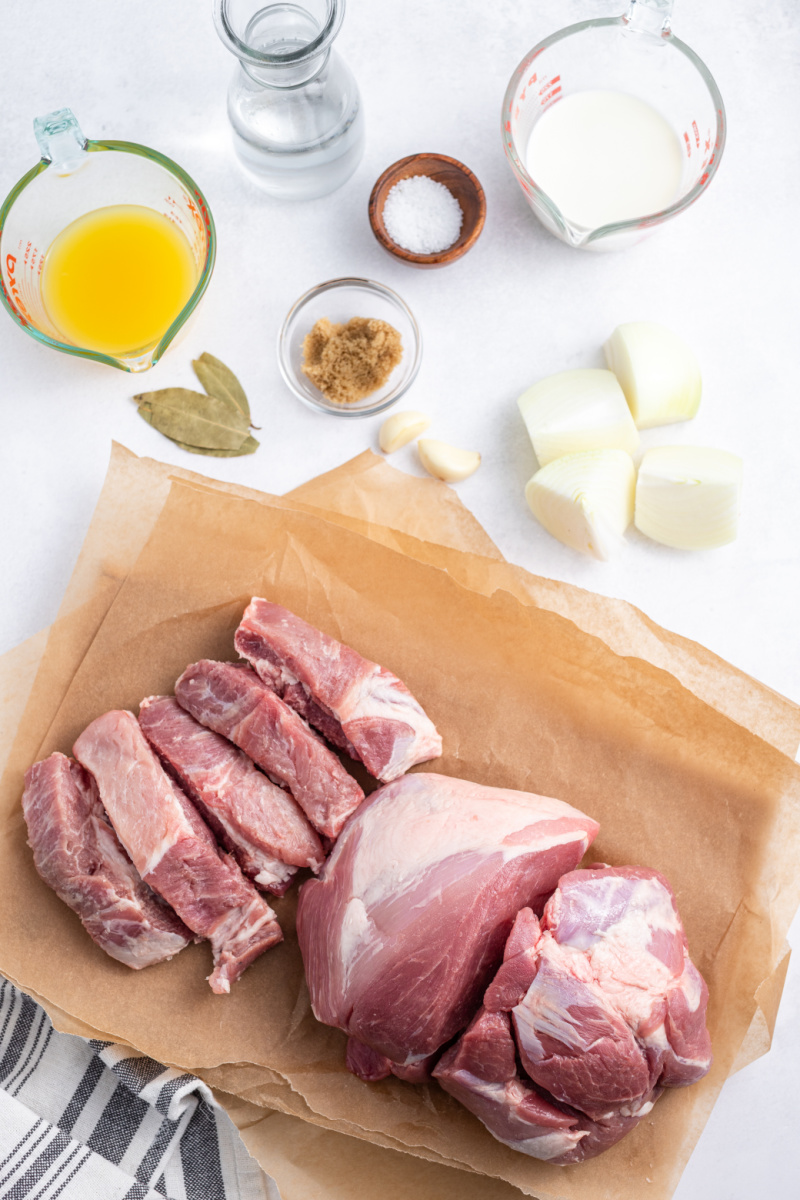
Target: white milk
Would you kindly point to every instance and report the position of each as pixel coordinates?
(604, 157)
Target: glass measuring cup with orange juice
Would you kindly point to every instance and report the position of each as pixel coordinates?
(106, 248)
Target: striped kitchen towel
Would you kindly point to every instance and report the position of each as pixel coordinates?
(95, 1121)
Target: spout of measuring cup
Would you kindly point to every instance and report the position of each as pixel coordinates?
(61, 140)
(649, 18)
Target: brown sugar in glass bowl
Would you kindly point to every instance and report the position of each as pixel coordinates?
(458, 180)
(350, 362)
(337, 300)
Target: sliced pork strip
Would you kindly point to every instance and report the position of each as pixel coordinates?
(80, 857)
(173, 849)
(404, 928)
(231, 699)
(358, 705)
(260, 823)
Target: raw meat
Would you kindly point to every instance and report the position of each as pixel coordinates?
(79, 856)
(607, 1010)
(480, 1071)
(231, 699)
(173, 849)
(257, 821)
(615, 1006)
(406, 924)
(359, 706)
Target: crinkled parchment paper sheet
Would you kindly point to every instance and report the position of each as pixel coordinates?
(660, 769)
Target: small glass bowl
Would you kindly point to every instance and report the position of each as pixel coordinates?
(339, 300)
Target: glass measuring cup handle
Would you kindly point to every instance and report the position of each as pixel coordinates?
(61, 140)
(650, 17)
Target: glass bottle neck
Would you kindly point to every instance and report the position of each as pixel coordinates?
(280, 45)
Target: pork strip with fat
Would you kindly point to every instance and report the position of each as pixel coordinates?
(80, 857)
(359, 706)
(173, 849)
(260, 823)
(231, 699)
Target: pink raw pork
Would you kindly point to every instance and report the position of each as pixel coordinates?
(406, 924)
(231, 699)
(607, 1011)
(359, 706)
(173, 849)
(79, 856)
(260, 823)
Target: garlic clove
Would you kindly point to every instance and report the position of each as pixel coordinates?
(447, 462)
(577, 410)
(585, 499)
(400, 429)
(659, 374)
(689, 497)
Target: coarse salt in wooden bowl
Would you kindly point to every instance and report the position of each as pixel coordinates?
(459, 181)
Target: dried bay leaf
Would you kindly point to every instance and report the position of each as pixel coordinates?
(220, 381)
(194, 418)
(248, 446)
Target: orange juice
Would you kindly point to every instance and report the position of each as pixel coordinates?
(116, 279)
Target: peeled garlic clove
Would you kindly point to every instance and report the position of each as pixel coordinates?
(447, 462)
(585, 499)
(659, 374)
(577, 410)
(400, 429)
(689, 496)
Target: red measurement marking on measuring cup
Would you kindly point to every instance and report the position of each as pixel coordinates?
(22, 312)
(204, 211)
(696, 134)
(549, 91)
(688, 144)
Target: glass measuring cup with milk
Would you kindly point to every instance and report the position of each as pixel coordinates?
(613, 126)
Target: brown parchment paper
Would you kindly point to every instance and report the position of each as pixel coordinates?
(425, 519)
(557, 697)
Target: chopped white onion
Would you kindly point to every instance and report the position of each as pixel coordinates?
(447, 462)
(577, 410)
(659, 374)
(585, 499)
(689, 496)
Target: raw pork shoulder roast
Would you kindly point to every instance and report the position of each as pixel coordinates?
(406, 924)
(606, 1007)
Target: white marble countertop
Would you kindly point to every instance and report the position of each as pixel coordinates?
(518, 307)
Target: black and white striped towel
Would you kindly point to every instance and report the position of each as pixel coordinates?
(95, 1121)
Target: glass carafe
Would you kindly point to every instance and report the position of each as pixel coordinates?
(294, 106)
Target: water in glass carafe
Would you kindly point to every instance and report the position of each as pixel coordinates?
(294, 106)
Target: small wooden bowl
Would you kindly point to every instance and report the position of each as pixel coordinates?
(458, 179)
